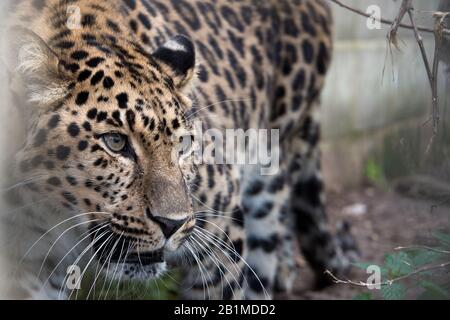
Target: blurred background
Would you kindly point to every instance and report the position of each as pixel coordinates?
(382, 173)
(373, 117)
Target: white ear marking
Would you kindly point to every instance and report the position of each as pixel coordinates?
(175, 46)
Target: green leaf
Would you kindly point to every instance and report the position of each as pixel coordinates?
(362, 265)
(374, 172)
(394, 291)
(162, 289)
(365, 265)
(398, 264)
(363, 296)
(423, 257)
(444, 238)
(433, 291)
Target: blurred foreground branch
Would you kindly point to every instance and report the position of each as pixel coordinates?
(391, 281)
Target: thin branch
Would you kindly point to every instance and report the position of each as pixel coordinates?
(434, 75)
(422, 247)
(421, 45)
(387, 282)
(431, 73)
(439, 28)
(392, 35)
(384, 21)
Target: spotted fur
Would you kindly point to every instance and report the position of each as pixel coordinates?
(145, 69)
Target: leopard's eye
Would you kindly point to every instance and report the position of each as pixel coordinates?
(116, 142)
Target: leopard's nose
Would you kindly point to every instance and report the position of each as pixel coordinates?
(169, 226)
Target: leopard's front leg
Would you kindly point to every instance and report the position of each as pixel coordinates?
(263, 199)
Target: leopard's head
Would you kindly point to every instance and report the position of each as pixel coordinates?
(104, 121)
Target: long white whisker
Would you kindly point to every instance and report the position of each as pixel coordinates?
(213, 210)
(121, 270)
(203, 260)
(240, 257)
(115, 269)
(205, 240)
(219, 228)
(109, 261)
(200, 267)
(223, 249)
(24, 182)
(51, 229)
(205, 214)
(93, 257)
(32, 203)
(215, 104)
(78, 259)
(214, 260)
(58, 238)
(89, 233)
(97, 273)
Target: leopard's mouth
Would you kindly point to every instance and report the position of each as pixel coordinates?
(133, 265)
(120, 259)
(142, 258)
(135, 271)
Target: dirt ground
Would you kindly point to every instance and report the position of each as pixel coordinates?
(381, 221)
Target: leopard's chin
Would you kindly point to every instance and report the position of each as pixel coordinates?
(134, 265)
(135, 271)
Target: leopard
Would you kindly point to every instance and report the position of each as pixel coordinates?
(109, 98)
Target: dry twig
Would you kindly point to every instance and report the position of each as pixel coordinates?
(422, 247)
(404, 8)
(387, 282)
(384, 21)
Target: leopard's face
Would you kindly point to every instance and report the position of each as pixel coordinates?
(109, 154)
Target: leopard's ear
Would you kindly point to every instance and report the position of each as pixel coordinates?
(36, 71)
(177, 58)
